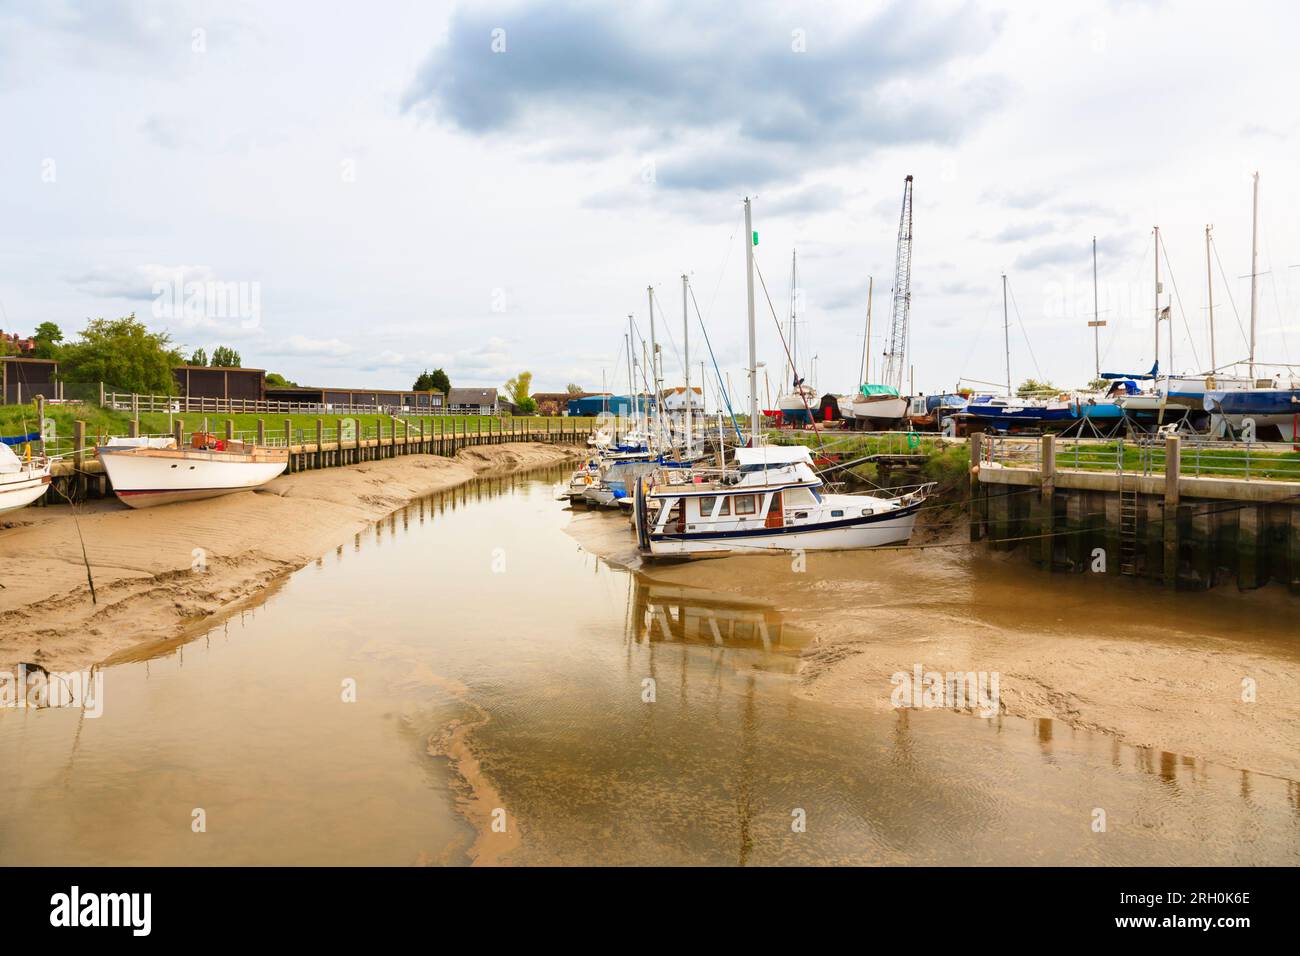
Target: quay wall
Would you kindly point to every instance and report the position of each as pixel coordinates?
(1186, 532)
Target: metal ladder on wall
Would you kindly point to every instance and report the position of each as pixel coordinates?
(1128, 524)
(1128, 508)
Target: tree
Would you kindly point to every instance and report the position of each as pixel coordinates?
(223, 357)
(278, 380)
(122, 353)
(47, 338)
(1032, 387)
(574, 390)
(517, 389)
(200, 357)
(440, 380)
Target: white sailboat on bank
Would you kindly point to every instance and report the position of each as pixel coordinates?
(771, 498)
(152, 471)
(22, 480)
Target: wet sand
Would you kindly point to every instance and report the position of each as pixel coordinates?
(144, 562)
(1151, 668)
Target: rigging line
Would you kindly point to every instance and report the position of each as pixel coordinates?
(974, 342)
(1033, 358)
(1277, 308)
(1227, 287)
(722, 389)
(1186, 328)
(798, 391)
(731, 245)
(668, 329)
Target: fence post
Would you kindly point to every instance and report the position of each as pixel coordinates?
(261, 431)
(178, 432)
(320, 443)
(424, 447)
(135, 405)
(101, 394)
(133, 428)
(230, 429)
(79, 443)
(1172, 474)
(288, 432)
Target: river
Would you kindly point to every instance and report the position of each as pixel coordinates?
(467, 682)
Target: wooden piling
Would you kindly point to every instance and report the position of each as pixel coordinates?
(1173, 472)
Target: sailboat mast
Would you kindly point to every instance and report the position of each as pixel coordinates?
(1254, 270)
(1096, 317)
(654, 361)
(754, 421)
(794, 318)
(1157, 352)
(631, 379)
(686, 365)
(866, 342)
(1209, 289)
(1006, 331)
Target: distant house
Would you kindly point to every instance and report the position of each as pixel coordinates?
(474, 401)
(23, 346)
(226, 384)
(674, 399)
(555, 403)
(22, 379)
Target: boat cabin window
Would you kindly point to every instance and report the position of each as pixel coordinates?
(706, 505)
(837, 513)
(745, 504)
(798, 497)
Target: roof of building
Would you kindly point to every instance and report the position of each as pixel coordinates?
(367, 391)
(24, 358)
(219, 368)
(471, 396)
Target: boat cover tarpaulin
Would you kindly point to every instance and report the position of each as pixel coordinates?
(877, 390)
(9, 462)
(20, 439)
(142, 442)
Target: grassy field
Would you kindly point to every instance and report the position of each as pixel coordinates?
(101, 422)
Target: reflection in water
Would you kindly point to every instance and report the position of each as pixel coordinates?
(498, 666)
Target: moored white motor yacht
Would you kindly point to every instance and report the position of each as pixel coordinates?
(151, 471)
(22, 481)
(772, 500)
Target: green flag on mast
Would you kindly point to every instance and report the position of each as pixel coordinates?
(755, 237)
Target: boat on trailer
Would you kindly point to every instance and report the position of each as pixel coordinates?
(22, 480)
(772, 500)
(145, 472)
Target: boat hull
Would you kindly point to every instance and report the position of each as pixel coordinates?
(18, 491)
(873, 531)
(875, 410)
(145, 478)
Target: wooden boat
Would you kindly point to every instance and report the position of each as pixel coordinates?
(22, 480)
(146, 472)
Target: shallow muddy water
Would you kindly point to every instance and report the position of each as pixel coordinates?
(519, 699)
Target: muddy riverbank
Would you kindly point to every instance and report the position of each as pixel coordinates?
(1213, 676)
(161, 571)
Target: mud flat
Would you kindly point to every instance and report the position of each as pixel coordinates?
(160, 571)
(1152, 668)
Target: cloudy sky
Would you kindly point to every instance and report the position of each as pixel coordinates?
(492, 187)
